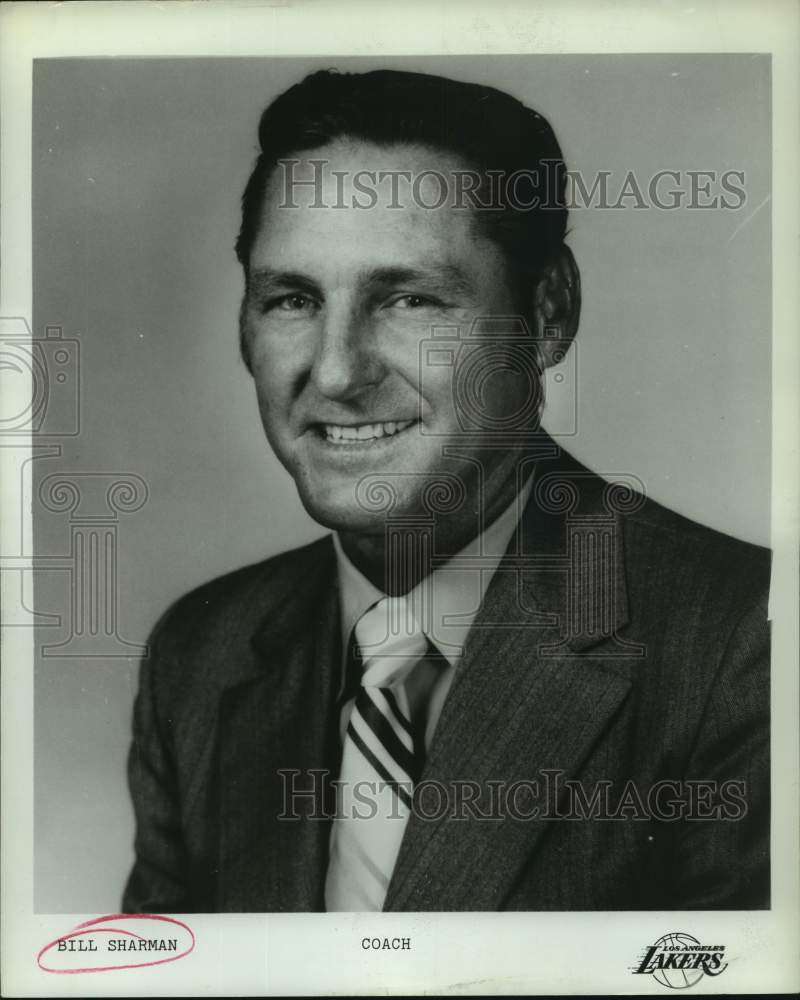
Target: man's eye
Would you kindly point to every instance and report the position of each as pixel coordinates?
(295, 303)
(414, 302)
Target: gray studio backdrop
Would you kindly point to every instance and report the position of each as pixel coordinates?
(138, 169)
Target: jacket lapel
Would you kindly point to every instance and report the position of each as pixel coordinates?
(542, 674)
(277, 733)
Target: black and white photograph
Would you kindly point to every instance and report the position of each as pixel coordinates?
(397, 534)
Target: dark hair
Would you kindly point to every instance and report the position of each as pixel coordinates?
(488, 129)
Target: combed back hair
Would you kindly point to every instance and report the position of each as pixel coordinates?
(488, 129)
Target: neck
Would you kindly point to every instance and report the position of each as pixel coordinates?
(399, 558)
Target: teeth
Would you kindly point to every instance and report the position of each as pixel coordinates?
(365, 432)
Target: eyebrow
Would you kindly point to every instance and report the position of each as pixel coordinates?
(448, 276)
(264, 279)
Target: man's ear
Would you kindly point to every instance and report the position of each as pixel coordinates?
(557, 306)
(244, 339)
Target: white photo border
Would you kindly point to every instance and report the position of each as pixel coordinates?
(475, 953)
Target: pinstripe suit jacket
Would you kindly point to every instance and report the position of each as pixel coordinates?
(613, 697)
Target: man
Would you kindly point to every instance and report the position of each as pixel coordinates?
(502, 683)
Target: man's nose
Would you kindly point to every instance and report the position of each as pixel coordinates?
(345, 361)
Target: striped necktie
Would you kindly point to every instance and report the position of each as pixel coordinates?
(381, 761)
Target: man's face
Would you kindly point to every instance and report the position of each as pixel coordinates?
(340, 302)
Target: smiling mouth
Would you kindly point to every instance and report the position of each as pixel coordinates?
(339, 434)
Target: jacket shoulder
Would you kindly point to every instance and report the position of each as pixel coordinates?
(662, 537)
(679, 558)
(236, 603)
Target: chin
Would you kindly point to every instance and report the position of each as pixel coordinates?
(343, 514)
(369, 513)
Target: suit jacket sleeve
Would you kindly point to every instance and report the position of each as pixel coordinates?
(158, 881)
(724, 860)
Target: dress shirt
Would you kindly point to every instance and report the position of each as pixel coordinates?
(445, 604)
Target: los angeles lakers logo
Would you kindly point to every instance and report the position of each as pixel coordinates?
(678, 960)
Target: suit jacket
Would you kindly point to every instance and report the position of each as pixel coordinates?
(619, 646)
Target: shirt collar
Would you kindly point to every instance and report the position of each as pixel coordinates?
(447, 601)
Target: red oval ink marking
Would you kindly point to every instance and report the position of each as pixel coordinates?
(94, 927)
